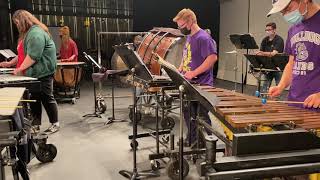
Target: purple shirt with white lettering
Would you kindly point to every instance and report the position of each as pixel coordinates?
(197, 48)
(304, 44)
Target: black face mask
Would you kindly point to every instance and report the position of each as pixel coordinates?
(185, 31)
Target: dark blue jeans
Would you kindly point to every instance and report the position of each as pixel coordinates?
(190, 116)
(268, 80)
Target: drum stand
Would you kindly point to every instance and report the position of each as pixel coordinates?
(134, 174)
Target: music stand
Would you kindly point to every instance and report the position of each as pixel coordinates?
(185, 87)
(280, 61)
(243, 41)
(267, 64)
(94, 63)
(138, 70)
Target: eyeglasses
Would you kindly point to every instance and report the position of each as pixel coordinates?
(268, 29)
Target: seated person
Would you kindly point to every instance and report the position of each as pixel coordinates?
(68, 48)
(271, 45)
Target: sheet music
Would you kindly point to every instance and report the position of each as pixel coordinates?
(4, 53)
(7, 53)
(10, 53)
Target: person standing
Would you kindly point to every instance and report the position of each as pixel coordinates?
(39, 62)
(199, 56)
(271, 45)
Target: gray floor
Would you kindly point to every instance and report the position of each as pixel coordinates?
(90, 150)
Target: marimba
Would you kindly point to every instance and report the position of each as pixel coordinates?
(243, 111)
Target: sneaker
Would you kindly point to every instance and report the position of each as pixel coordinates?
(35, 129)
(52, 129)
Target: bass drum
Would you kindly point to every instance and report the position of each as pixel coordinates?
(167, 43)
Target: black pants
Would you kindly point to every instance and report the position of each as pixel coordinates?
(44, 97)
(190, 116)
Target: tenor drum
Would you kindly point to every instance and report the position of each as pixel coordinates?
(68, 74)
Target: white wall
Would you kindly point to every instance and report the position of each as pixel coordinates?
(234, 19)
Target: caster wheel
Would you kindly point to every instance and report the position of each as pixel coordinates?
(155, 165)
(167, 123)
(46, 153)
(165, 138)
(134, 143)
(139, 115)
(73, 100)
(101, 106)
(173, 169)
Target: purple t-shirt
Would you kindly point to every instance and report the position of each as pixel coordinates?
(197, 48)
(304, 44)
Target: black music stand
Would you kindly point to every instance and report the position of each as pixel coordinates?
(138, 70)
(267, 64)
(112, 74)
(280, 61)
(94, 64)
(243, 41)
(185, 87)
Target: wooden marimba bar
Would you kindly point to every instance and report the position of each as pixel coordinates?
(241, 111)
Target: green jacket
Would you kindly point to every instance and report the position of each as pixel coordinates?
(41, 48)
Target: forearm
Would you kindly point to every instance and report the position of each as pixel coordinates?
(270, 54)
(27, 62)
(286, 76)
(72, 57)
(206, 65)
(14, 61)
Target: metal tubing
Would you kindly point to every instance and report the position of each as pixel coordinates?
(181, 91)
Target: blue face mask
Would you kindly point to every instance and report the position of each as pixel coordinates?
(295, 16)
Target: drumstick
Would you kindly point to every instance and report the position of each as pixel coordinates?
(264, 101)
